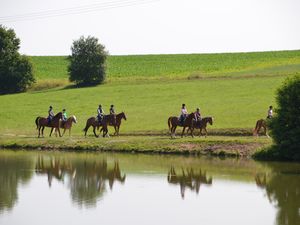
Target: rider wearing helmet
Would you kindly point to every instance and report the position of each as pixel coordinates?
(270, 112)
(100, 113)
(112, 110)
(198, 114)
(50, 114)
(183, 114)
(65, 116)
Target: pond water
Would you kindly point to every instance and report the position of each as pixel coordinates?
(100, 188)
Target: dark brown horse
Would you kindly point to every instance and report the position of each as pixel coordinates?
(202, 124)
(173, 122)
(260, 124)
(119, 118)
(42, 122)
(67, 125)
(92, 121)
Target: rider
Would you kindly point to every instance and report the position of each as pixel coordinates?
(50, 114)
(112, 110)
(65, 117)
(198, 114)
(100, 113)
(183, 114)
(270, 112)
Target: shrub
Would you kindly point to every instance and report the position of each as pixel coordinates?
(87, 62)
(285, 126)
(15, 70)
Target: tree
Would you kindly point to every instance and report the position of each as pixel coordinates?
(15, 69)
(285, 126)
(87, 62)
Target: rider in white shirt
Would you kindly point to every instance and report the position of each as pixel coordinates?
(270, 112)
(183, 114)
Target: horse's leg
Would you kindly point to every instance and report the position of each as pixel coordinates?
(117, 130)
(205, 132)
(265, 129)
(43, 131)
(94, 130)
(70, 132)
(59, 132)
(192, 131)
(51, 131)
(64, 132)
(39, 131)
(183, 131)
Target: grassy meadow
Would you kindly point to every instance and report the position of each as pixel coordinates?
(235, 88)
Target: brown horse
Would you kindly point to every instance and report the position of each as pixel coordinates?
(92, 121)
(67, 125)
(173, 122)
(119, 118)
(42, 122)
(202, 124)
(260, 124)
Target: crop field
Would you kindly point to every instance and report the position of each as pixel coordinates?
(190, 66)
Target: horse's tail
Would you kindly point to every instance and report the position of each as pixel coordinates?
(37, 122)
(169, 123)
(256, 128)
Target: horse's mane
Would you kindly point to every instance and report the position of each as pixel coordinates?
(59, 113)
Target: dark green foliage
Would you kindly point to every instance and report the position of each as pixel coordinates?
(87, 62)
(285, 126)
(15, 70)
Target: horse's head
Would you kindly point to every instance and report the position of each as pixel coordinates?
(58, 115)
(123, 115)
(74, 119)
(210, 120)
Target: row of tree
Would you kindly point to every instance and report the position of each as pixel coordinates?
(87, 63)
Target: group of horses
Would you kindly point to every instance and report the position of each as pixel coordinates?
(58, 123)
(190, 123)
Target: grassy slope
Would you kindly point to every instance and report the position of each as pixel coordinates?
(238, 91)
(234, 103)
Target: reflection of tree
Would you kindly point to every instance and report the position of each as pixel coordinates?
(87, 180)
(188, 179)
(283, 190)
(12, 173)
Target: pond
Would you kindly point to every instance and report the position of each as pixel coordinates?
(101, 188)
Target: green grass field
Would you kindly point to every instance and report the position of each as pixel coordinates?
(236, 89)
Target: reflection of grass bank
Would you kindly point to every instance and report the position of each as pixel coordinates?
(217, 145)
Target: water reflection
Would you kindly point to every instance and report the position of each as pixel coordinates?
(86, 179)
(282, 187)
(12, 174)
(188, 179)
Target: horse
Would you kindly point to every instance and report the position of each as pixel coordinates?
(260, 124)
(173, 122)
(67, 125)
(42, 122)
(201, 124)
(119, 118)
(106, 120)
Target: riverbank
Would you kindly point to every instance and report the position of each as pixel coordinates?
(232, 146)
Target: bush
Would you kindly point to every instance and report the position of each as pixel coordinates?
(87, 62)
(285, 126)
(15, 70)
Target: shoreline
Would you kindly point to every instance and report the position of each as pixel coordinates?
(222, 146)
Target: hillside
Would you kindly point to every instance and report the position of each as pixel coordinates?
(236, 89)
